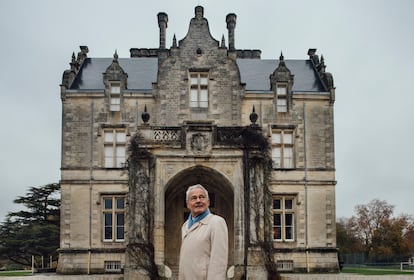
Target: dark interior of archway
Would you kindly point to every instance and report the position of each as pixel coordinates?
(219, 189)
(210, 179)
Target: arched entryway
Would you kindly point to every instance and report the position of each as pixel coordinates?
(221, 203)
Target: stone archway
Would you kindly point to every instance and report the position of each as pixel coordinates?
(222, 203)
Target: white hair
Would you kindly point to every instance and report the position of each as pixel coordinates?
(193, 187)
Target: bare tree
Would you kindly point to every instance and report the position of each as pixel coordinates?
(369, 218)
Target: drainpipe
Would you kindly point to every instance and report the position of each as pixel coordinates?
(306, 189)
(90, 188)
(246, 180)
(137, 114)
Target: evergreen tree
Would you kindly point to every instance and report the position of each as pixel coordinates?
(35, 229)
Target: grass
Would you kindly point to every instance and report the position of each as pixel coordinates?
(375, 271)
(15, 273)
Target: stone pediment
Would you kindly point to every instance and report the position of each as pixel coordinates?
(198, 34)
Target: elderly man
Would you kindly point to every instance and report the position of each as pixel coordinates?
(204, 245)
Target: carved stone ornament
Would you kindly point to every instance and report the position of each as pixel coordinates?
(198, 142)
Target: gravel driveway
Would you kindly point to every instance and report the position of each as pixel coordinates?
(340, 276)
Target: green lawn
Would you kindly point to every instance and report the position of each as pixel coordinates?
(375, 271)
(15, 273)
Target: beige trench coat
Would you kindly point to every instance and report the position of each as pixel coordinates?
(204, 250)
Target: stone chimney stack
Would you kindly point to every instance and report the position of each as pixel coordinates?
(199, 12)
(162, 23)
(231, 25)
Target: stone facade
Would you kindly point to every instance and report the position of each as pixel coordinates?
(203, 113)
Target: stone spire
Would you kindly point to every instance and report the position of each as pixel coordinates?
(223, 42)
(75, 64)
(174, 42)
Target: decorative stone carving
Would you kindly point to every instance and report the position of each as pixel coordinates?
(281, 74)
(114, 72)
(198, 142)
(166, 135)
(145, 115)
(253, 116)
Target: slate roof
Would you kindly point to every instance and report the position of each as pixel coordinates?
(255, 74)
(142, 72)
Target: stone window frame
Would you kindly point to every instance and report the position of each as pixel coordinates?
(198, 80)
(112, 266)
(115, 96)
(283, 152)
(282, 98)
(115, 145)
(284, 209)
(110, 213)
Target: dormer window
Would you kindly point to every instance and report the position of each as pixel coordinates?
(199, 89)
(281, 92)
(115, 97)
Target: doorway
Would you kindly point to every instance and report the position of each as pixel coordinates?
(221, 203)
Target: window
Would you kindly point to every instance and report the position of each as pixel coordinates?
(283, 218)
(284, 265)
(281, 92)
(199, 90)
(282, 149)
(115, 97)
(114, 218)
(114, 148)
(112, 266)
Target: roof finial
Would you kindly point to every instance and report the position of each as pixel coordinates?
(174, 41)
(223, 42)
(322, 65)
(145, 115)
(281, 59)
(74, 64)
(115, 56)
(253, 117)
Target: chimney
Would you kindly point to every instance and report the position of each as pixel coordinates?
(162, 23)
(231, 25)
(199, 12)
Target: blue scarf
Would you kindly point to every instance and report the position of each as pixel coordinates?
(192, 221)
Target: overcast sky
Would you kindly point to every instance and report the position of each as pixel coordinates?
(367, 46)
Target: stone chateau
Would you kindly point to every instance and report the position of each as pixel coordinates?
(257, 133)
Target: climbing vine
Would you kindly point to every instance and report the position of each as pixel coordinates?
(258, 199)
(140, 248)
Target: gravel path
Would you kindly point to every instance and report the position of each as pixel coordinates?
(340, 276)
(344, 276)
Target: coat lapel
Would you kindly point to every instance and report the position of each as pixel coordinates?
(196, 225)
